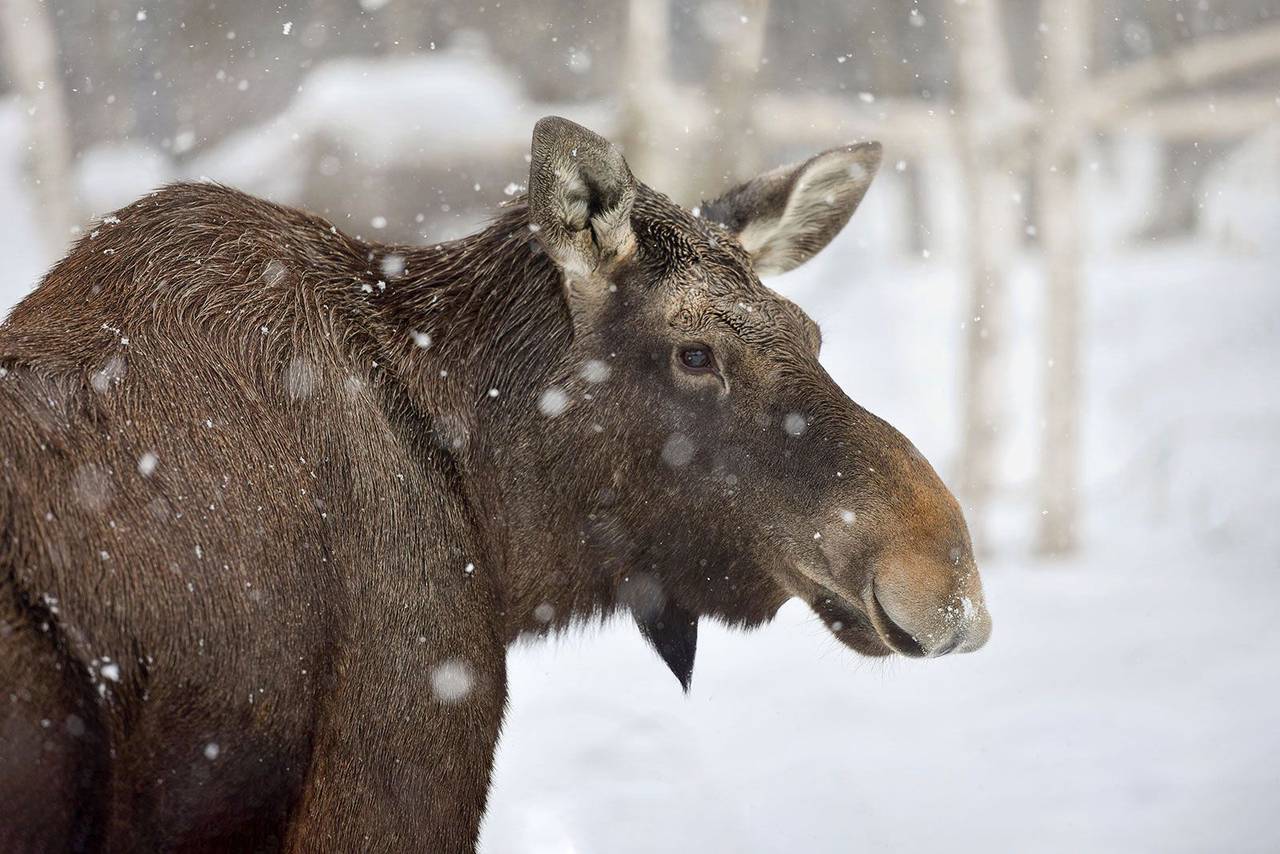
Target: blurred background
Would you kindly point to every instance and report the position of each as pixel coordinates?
(1064, 286)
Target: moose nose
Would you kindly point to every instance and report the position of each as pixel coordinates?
(928, 608)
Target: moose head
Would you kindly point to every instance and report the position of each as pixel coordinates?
(716, 468)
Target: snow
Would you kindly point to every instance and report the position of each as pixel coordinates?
(19, 237)
(451, 681)
(110, 176)
(553, 401)
(1127, 701)
(449, 105)
(91, 486)
(147, 464)
(392, 265)
(301, 378)
(678, 450)
(595, 371)
(1242, 196)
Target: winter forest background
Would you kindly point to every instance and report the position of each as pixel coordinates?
(1064, 287)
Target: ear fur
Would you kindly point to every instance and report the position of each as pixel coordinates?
(786, 216)
(580, 196)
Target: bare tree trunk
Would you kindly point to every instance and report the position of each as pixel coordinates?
(31, 54)
(646, 86)
(733, 148)
(899, 81)
(1172, 210)
(1066, 47)
(986, 139)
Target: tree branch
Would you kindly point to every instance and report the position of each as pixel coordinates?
(1199, 63)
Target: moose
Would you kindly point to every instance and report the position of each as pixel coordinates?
(277, 499)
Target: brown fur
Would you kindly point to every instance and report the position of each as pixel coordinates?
(249, 521)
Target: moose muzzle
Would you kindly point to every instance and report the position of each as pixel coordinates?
(922, 606)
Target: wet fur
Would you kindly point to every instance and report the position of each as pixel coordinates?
(303, 536)
(284, 581)
(263, 479)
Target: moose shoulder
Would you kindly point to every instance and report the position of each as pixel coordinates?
(276, 499)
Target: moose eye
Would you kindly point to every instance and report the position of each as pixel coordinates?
(697, 358)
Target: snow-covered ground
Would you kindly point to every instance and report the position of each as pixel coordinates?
(1128, 701)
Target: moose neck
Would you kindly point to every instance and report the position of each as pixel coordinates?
(478, 316)
(482, 330)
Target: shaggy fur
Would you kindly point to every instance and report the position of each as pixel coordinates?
(275, 501)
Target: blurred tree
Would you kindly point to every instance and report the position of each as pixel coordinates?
(31, 54)
(733, 154)
(404, 24)
(1066, 37)
(1174, 211)
(1202, 51)
(987, 142)
(646, 95)
(895, 76)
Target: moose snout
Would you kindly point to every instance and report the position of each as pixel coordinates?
(927, 607)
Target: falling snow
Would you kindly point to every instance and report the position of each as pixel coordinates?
(406, 126)
(596, 371)
(553, 402)
(451, 681)
(678, 450)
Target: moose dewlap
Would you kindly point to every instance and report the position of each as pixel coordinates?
(276, 500)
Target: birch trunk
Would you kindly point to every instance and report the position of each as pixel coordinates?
(987, 138)
(646, 88)
(733, 149)
(1066, 45)
(31, 54)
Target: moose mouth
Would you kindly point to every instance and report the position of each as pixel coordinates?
(868, 629)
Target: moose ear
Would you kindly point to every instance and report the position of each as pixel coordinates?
(785, 217)
(580, 196)
(673, 633)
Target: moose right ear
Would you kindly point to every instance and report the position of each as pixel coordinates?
(580, 196)
(786, 216)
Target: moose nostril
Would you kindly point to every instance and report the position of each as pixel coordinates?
(898, 637)
(948, 647)
(915, 628)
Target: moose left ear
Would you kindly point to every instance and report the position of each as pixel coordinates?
(580, 196)
(786, 216)
(673, 633)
